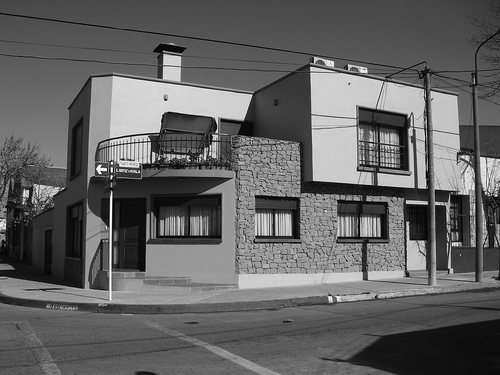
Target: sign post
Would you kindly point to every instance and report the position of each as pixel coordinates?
(124, 169)
(111, 244)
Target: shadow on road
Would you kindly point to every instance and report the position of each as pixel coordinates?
(462, 349)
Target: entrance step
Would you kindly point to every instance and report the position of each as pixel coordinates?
(425, 273)
(139, 281)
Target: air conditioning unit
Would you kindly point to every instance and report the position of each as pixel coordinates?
(321, 61)
(355, 68)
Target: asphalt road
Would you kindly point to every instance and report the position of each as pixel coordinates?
(434, 334)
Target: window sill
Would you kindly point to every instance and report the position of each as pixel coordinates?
(285, 240)
(184, 241)
(362, 240)
(384, 170)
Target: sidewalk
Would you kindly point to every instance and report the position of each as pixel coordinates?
(23, 285)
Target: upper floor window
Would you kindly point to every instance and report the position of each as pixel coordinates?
(276, 218)
(382, 139)
(76, 149)
(362, 220)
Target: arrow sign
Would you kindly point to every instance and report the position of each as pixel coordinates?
(101, 169)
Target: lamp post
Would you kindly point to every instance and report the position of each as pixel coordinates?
(477, 171)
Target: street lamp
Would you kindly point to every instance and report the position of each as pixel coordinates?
(477, 171)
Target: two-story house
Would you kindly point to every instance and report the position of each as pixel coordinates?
(463, 212)
(316, 178)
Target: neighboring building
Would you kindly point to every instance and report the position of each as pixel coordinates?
(26, 200)
(464, 247)
(316, 178)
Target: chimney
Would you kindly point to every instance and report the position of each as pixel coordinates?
(169, 61)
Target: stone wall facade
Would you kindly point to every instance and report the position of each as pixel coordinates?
(268, 167)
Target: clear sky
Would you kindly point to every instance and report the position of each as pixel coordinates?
(383, 35)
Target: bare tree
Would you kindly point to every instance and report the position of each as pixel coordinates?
(487, 24)
(20, 161)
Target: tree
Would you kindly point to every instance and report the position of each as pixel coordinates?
(487, 25)
(20, 161)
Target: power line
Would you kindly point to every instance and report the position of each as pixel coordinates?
(237, 44)
(95, 61)
(141, 53)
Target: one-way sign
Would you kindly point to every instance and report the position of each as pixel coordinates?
(102, 169)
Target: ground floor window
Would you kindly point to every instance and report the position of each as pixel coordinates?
(362, 220)
(459, 219)
(75, 231)
(418, 222)
(188, 216)
(276, 217)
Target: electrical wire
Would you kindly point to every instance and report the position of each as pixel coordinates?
(237, 44)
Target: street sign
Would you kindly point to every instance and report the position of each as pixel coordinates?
(101, 169)
(128, 169)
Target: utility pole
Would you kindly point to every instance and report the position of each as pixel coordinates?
(431, 241)
(477, 184)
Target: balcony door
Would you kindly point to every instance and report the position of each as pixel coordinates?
(131, 234)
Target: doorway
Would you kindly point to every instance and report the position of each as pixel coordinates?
(131, 230)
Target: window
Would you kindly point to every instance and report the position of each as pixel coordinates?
(382, 139)
(362, 220)
(418, 222)
(188, 216)
(459, 220)
(276, 217)
(76, 149)
(75, 231)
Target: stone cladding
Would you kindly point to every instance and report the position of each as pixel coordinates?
(269, 167)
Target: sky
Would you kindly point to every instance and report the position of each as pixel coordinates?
(238, 44)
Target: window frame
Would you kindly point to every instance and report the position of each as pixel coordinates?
(184, 201)
(75, 231)
(362, 207)
(275, 204)
(418, 223)
(388, 120)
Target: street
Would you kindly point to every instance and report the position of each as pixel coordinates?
(447, 334)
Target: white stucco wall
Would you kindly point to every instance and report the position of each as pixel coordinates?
(117, 105)
(320, 108)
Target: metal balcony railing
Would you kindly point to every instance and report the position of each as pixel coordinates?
(381, 155)
(169, 150)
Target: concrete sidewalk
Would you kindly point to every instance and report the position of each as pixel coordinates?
(23, 285)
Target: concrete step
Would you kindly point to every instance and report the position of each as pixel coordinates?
(170, 281)
(139, 281)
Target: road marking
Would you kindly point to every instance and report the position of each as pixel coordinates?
(214, 349)
(41, 354)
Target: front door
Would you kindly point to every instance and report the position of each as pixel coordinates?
(132, 234)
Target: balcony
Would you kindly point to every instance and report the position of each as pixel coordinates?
(170, 150)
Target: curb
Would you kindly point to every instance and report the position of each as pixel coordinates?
(413, 292)
(114, 308)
